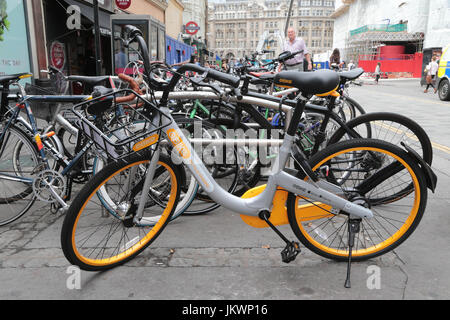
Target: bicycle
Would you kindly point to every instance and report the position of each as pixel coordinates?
(313, 134)
(88, 241)
(35, 164)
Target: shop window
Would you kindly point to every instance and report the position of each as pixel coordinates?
(14, 51)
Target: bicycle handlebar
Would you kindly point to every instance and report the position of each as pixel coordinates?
(210, 73)
(133, 86)
(289, 56)
(134, 34)
(282, 59)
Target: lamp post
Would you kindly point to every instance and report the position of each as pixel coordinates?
(98, 66)
(288, 18)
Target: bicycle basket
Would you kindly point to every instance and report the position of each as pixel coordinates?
(120, 129)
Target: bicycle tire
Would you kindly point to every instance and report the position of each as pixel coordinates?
(20, 167)
(189, 192)
(355, 109)
(202, 203)
(319, 233)
(78, 221)
(363, 122)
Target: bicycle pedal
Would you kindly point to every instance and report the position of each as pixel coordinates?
(290, 252)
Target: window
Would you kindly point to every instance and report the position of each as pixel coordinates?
(305, 3)
(328, 3)
(316, 12)
(317, 3)
(317, 23)
(316, 33)
(316, 43)
(15, 55)
(302, 23)
(303, 33)
(303, 12)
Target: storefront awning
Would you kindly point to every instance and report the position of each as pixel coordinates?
(88, 11)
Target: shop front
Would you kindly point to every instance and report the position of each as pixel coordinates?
(153, 32)
(15, 53)
(71, 45)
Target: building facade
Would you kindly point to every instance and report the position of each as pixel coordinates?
(362, 26)
(174, 18)
(238, 28)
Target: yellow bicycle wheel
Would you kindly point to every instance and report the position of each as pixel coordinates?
(365, 170)
(100, 232)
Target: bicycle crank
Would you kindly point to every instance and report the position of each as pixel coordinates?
(50, 186)
(292, 248)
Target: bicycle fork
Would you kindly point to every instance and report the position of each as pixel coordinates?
(146, 187)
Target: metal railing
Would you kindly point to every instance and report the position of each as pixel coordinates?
(379, 27)
(371, 57)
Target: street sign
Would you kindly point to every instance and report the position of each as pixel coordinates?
(57, 55)
(191, 27)
(123, 4)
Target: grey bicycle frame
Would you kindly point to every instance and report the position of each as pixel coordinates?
(321, 191)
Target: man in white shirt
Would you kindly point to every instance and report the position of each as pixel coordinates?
(294, 44)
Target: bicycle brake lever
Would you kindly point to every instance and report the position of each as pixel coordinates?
(213, 86)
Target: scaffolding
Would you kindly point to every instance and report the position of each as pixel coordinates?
(367, 41)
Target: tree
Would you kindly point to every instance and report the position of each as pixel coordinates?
(4, 23)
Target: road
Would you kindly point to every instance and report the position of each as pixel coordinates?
(217, 256)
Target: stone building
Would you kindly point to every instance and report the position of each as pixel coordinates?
(236, 27)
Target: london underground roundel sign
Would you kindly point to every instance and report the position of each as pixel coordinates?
(123, 4)
(192, 27)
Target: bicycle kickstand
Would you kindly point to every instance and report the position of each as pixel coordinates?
(353, 229)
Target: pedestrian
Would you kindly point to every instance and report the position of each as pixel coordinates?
(431, 71)
(225, 65)
(294, 44)
(120, 58)
(351, 65)
(335, 59)
(377, 72)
